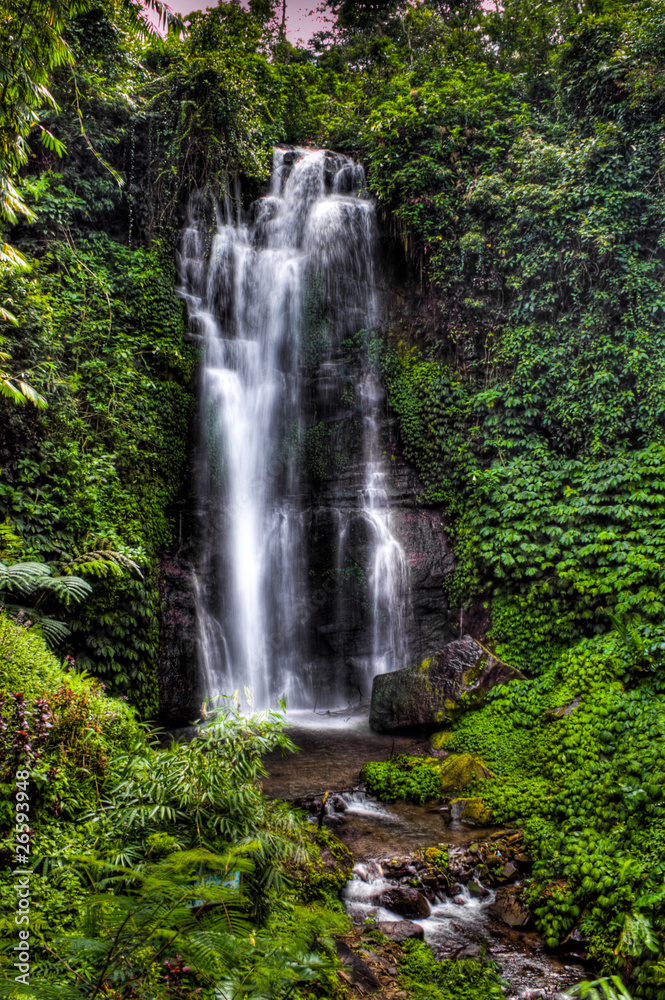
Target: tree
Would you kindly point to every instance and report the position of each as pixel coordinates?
(365, 17)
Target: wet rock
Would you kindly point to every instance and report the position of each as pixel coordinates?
(477, 890)
(400, 873)
(361, 871)
(471, 811)
(509, 908)
(374, 871)
(400, 930)
(576, 936)
(407, 902)
(458, 900)
(180, 690)
(575, 945)
(425, 695)
(508, 871)
(339, 805)
(358, 973)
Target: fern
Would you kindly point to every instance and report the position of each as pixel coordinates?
(35, 582)
(97, 557)
(23, 578)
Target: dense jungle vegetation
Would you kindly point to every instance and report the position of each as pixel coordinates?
(516, 155)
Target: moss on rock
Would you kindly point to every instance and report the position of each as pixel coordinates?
(325, 873)
(472, 811)
(439, 740)
(460, 770)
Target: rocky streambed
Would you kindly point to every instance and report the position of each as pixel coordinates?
(418, 874)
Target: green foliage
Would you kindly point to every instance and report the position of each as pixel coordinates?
(134, 939)
(515, 161)
(26, 664)
(422, 778)
(579, 763)
(428, 979)
(587, 538)
(601, 989)
(403, 777)
(89, 488)
(136, 849)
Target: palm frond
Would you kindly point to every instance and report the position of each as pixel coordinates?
(166, 17)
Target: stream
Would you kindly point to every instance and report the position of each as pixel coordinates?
(333, 749)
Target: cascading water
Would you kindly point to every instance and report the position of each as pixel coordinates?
(276, 299)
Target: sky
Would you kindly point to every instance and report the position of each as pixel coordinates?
(301, 22)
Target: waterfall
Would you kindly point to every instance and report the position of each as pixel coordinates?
(280, 299)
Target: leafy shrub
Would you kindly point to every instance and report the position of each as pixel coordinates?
(403, 777)
(26, 662)
(579, 762)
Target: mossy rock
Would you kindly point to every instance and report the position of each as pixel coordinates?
(425, 696)
(327, 870)
(471, 811)
(460, 770)
(439, 740)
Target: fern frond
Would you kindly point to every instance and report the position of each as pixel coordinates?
(24, 578)
(97, 557)
(8, 389)
(67, 588)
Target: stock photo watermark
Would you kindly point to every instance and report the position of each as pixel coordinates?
(22, 873)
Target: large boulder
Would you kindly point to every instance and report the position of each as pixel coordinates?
(407, 903)
(424, 696)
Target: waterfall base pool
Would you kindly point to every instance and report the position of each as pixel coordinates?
(333, 750)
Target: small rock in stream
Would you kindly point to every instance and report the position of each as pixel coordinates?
(477, 890)
(400, 930)
(509, 870)
(509, 908)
